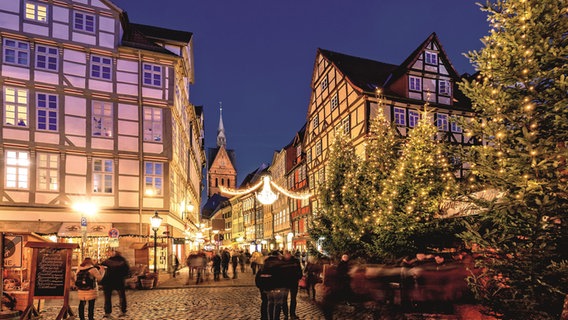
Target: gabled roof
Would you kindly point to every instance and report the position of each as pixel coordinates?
(159, 33)
(212, 154)
(214, 203)
(255, 175)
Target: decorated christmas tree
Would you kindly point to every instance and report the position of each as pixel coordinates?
(521, 103)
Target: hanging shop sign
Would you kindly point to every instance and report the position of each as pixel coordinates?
(13, 251)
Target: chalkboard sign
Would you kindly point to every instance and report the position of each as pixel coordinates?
(50, 272)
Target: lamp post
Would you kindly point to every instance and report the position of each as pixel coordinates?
(155, 222)
(85, 208)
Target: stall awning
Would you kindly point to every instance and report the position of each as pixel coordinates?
(72, 229)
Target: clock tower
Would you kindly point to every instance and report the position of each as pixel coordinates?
(220, 163)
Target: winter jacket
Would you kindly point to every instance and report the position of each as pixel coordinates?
(95, 274)
(117, 270)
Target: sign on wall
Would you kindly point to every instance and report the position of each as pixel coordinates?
(13, 251)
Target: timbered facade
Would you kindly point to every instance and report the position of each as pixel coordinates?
(96, 109)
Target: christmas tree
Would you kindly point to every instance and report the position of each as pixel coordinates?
(520, 98)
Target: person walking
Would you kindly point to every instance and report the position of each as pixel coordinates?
(342, 290)
(225, 258)
(242, 260)
(235, 262)
(255, 256)
(216, 266)
(117, 270)
(86, 283)
(176, 265)
(312, 272)
(291, 273)
(269, 280)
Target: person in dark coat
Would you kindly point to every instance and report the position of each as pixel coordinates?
(117, 270)
(216, 266)
(291, 272)
(269, 280)
(225, 258)
(342, 290)
(235, 263)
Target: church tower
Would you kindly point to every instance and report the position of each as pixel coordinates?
(220, 162)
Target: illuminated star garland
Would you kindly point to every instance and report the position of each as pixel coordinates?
(267, 182)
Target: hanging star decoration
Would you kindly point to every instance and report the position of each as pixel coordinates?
(266, 195)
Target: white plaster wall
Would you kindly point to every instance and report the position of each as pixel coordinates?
(105, 144)
(103, 201)
(151, 93)
(36, 29)
(127, 77)
(46, 77)
(417, 65)
(82, 1)
(45, 198)
(8, 20)
(128, 199)
(153, 147)
(84, 38)
(60, 31)
(105, 86)
(76, 165)
(46, 137)
(19, 196)
(431, 68)
(75, 106)
(12, 6)
(153, 202)
(76, 81)
(415, 95)
(128, 89)
(127, 65)
(106, 24)
(127, 166)
(128, 183)
(60, 14)
(75, 126)
(75, 184)
(106, 40)
(128, 144)
(15, 72)
(97, 3)
(444, 100)
(429, 85)
(76, 69)
(128, 111)
(174, 49)
(77, 141)
(443, 69)
(129, 128)
(75, 56)
(23, 135)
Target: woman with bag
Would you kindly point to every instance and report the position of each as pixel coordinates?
(86, 279)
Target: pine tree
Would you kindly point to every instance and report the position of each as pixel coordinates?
(412, 195)
(520, 97)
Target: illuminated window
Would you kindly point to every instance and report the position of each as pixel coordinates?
(47, 58)
(102, 175)
(152, 75)
(102, 119)
(400, 116)
(17, 169)
(46, 111)
(16, 52)
(413, 118)
(431, 57)
(415, 83)
(101, 67)
(47, 172)
(84, 22)
(442, 121)
(36, 11)
(16, 107)
(153, 177)
(152, 124)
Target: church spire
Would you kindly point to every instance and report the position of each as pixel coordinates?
(221, 139)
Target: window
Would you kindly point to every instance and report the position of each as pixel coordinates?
(316, 121)
(102, 175)
(442, 121)
(16, 52)
(431, 57)
(324, 83)
(309, 156)
(444, 87)
(334, 102)
(102, 119)
(36, 11)
(154, 176)
(17, 169)
(46, 111)
(455, 125)
(101, 67)
(152, 124)
(152, 74)
(413, 118)
(298, 151)
(415, 83)
(47, 172)
(84, 22)
(318, 148)
(346, 124)
(400, 116)
(16, 106)
(47, 58)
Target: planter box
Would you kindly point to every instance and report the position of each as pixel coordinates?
(147, 283)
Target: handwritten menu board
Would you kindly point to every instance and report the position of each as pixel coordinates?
(50, 272)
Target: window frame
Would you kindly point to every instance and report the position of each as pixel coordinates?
(18, 169)
(442, 121)
(318, 148)
(50, 113)
(154, 181)
(17, 50)
(83, 27)
(447, 87)
(431, 57)
(151, 125)
(346, 124)
(315, 121)
(36, 11)
(399, 116)
(102, 66)
(334, 102)
(415, 83)
(17, 107)
(152, 74)
(103, 175)
(104, 110)
(50, 58)
(413, 118)
(45, 170)
(454, 125)
(324, 83)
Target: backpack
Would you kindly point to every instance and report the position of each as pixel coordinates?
(84, 280)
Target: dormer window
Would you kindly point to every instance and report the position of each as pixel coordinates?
(431, 57)
(415, 83)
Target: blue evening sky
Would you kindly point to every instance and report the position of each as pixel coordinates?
(257, 56)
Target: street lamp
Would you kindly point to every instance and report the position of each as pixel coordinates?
(85, 208)
(155, 222)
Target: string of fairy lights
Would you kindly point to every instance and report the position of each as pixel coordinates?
(266, 195)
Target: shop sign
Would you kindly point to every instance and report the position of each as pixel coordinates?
(13, 251)
(179, 241)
